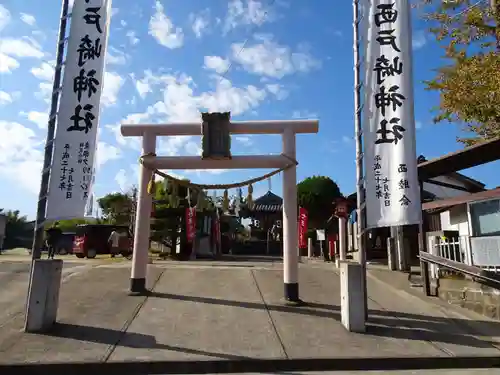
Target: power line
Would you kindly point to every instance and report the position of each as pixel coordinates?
(475, 5)
(255, 27)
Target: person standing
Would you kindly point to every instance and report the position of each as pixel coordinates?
(53, 236)
(114, 242)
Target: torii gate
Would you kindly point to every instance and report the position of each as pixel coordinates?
(149, 132)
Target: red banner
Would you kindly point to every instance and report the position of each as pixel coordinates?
(302, 228)
(190, 223)
(332, 239)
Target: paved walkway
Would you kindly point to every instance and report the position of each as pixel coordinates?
(213, 311)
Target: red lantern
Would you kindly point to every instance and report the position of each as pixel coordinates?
(153, 210)
(341, 208)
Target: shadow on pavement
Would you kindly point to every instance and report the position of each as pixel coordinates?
(134, 340)
(381, 323)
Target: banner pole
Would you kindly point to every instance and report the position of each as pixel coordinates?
(36, 252)
(358, 132)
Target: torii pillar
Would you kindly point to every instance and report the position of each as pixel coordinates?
(287, 129)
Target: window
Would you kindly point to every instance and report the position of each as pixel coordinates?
(485, 217)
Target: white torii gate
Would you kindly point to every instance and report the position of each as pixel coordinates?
(149, 133)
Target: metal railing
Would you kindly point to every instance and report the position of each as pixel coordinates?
(457, 249)
(488, 278)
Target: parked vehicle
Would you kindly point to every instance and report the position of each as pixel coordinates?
(92, 239)
(65, 244)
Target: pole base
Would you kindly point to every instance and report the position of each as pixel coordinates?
(138, 287)
(292, 295)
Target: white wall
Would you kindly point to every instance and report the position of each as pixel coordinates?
(456, 219)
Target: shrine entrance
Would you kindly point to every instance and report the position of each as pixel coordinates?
(216, 130)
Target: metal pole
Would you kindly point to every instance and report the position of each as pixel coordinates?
(49, 143)
(359, 148)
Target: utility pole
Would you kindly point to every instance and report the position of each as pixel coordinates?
(358, 132)
(36, 252)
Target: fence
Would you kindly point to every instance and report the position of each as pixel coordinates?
(472, 251)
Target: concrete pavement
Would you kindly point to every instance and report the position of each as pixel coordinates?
(208, 311)
(14, 280)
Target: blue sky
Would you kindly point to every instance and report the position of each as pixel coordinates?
(164, 64)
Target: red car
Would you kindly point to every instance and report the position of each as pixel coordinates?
(92, 239)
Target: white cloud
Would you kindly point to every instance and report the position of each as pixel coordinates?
(216, 63)
(249, 12)
(122, 180)
(144, 85)
(105, 153)
(277, 90)
(304, 115)
(20, 156)
(163, 30)
(39, 118)
(28, 19)
(226, 97)
(132, 37)
(45, 71)
(126, 180)
(193, 148)
(21, 48)
(45, 92)
(182, 104)
(113, 82)
(4, 17)
(245, 140)
(133, 118)
(419, 39)
(24, 47)
(5, 98)
(271, 59)
(175, 145)
(143, 88)
(7, 63)
(200, 22)
(116, 57)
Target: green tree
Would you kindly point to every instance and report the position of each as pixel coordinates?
(117, 208)
(169, 215)
(317, 195)
(469, 83)
(70, 225)
(18, 232)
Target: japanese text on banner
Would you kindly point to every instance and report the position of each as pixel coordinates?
(72, 172)
(392, 188)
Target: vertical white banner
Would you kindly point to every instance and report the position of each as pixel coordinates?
(71, 176)
(392, 187)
